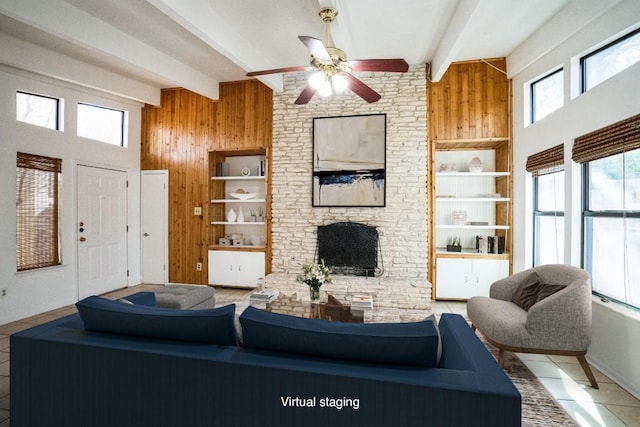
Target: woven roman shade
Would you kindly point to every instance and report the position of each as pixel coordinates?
(37, 190)
(614, 139)
(546, 162)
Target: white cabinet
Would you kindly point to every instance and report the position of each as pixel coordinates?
(462, 278)
(235, 268)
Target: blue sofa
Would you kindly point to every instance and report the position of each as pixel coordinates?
(71, 372)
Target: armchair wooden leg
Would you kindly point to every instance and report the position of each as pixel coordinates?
(473, 327)
(587, 370)
(500, 356)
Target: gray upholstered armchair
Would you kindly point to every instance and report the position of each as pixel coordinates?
(546, 310)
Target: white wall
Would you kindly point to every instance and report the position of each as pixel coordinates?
(34, 292)
(616, 335)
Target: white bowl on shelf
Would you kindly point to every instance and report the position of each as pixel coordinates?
(243, 196)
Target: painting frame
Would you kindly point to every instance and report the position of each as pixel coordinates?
(349, 161)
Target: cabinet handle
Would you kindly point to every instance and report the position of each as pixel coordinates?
(466, 279)
(239, 268)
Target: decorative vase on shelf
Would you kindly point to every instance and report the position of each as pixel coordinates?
(231, 215)
(475, 165)
(240, 216)
(459, 217)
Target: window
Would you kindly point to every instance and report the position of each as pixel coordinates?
(612, 226)
(102, 124)
(609, 60)
(548, 216)
(38, 110)
(547, 168)
(37, 236)
(611, 211)
(547, 95)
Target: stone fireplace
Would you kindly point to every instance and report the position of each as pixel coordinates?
(401, 224)
(349, 248)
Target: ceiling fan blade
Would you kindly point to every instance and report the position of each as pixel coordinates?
(362, 90)
(306, 95)
(278, 70)
(392, 65)
(316, 47)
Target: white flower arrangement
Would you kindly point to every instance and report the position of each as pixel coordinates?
(314, 275)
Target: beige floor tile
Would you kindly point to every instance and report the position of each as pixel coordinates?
(630, 415)
(612, 394)
(527, 357)
(563, 359)
(547, 369)
(4, 403)
(566, 389)
(591, 414)
(575, 371)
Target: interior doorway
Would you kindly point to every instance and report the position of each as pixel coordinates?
(154, 225)
(101, 230)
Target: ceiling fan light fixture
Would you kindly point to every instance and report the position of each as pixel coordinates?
(325, 89)
(339, 82)
(317, 79)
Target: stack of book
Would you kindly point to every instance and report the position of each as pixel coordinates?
(263, 297)
(362, 302)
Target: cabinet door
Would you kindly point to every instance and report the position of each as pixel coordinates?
(464, 278)
(453, 279)
(249, 268)
(487, 271)
(222, 268)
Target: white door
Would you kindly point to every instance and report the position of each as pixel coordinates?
(155, 202)
(102, 230)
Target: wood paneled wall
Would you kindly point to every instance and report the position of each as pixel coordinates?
(470, 109)
(471, 101)
(177, 136)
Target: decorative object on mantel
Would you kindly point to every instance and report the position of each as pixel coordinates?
(333, 71)
(475, 165)
(231, 215)
(314, 275)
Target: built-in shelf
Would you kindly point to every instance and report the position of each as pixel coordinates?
(472, 199)
(236, 223)
(477, 227)
(238, 200)
(469, 253)
(238, 178)
(471, 174)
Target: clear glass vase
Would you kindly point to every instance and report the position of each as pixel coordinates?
(314, 294)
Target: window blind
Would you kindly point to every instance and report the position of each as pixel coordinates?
(613, 139)
(37, 228)
(546, 162)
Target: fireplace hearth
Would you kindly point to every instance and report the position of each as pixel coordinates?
(349, 248)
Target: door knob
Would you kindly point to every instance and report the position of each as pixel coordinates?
(146, 234)
(82, 239)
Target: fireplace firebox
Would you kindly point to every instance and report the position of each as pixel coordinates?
(349, 248)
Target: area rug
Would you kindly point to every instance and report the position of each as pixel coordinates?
(539, 408)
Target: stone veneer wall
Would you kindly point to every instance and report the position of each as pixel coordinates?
(402, 224)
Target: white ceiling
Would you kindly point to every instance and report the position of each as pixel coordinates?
(198, 43)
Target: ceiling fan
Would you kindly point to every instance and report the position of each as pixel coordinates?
(334, 72)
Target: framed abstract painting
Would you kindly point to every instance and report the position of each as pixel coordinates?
(349, 160)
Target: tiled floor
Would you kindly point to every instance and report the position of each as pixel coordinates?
(611, 406)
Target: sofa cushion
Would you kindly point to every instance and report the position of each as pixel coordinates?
(533, 290)
(211, 326)
(413, 343)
